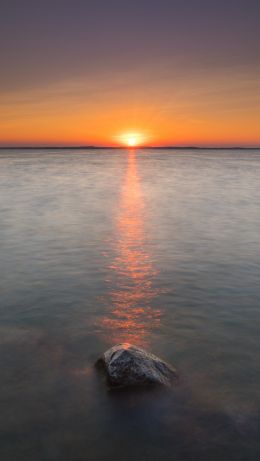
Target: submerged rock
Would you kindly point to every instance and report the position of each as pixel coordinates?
(128, 365)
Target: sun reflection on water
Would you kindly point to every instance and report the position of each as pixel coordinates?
(131, 317)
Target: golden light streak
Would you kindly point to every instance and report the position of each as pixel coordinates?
(131, 316)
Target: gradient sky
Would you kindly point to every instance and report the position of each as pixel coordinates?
(182, 72)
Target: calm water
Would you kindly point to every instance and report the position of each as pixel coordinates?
(158, 248)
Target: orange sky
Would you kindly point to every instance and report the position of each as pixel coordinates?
(209, 109)
(200, 110)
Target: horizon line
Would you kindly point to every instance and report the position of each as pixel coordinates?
(126, 147)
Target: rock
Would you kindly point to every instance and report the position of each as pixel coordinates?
(128, 365)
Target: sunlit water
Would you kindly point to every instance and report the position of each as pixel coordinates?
(158, 248)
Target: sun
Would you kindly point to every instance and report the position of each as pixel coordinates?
(131, 139)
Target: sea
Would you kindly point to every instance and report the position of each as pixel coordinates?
(156, 247)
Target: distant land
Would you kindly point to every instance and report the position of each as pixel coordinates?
(128, 148)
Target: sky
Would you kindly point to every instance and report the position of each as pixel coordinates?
(168, 72)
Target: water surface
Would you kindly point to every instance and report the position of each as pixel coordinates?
(160, 248)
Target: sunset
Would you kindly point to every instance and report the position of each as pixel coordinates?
(129, 230)
(85, 72)
(132, 139)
